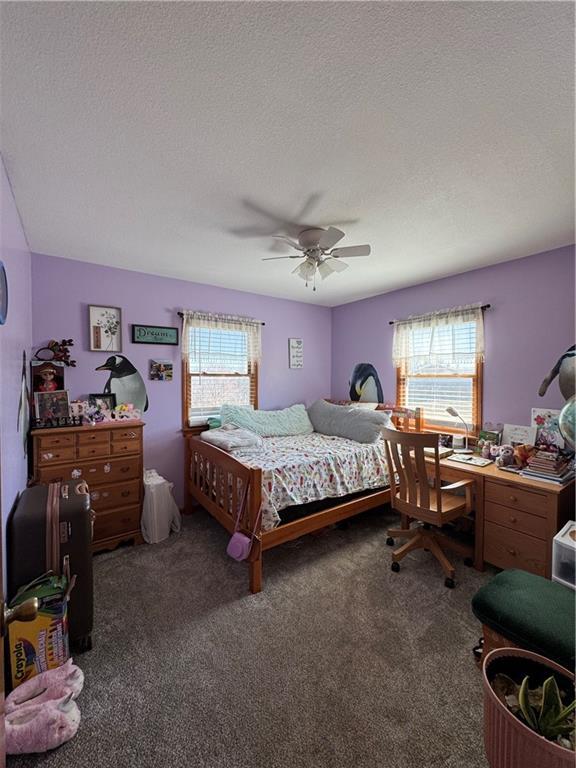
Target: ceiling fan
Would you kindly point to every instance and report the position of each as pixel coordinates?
(316, 246)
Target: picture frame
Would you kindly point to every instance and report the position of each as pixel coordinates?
(105, 328)
(47, 375)
(155, 334)
(106, 401)
(295, 353)
(51, 406)
(161, 370)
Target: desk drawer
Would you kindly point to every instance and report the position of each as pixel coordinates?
(116, 522)
(55, 455)
(511, 549)
(93, 450)
(97, 471)
(517, 498)
(55, 441)
(94, 436)
(515, 519)
(108, 496)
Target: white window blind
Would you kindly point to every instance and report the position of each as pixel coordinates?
(438, 359)
(221, 355)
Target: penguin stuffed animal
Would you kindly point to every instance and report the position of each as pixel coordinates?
(125, 382)
(565, 369)
(365, 385)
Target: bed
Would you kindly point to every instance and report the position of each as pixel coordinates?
(291, 485)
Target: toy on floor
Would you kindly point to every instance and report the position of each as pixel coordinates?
(41, 714)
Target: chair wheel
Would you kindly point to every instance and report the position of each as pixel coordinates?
(449, 583)
(390, 541)
(469, 562)
(395, 567)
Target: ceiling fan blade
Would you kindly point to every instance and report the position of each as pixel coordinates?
(330, 237)
(288, 240)
(351, 250)
(308, 206)
(336, 265)
(274, 258)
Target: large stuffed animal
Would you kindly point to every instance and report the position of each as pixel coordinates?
(365, 385)
(565, 369)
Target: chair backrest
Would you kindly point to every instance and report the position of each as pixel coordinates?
(411, 492)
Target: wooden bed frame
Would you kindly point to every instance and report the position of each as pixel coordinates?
(217, 481)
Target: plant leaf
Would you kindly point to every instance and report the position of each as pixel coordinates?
(527, 711)
(551, 705)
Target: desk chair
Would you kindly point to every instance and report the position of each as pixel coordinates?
(413, 497)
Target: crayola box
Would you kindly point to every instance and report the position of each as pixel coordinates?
(42, 644)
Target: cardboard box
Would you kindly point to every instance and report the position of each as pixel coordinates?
(42, 644)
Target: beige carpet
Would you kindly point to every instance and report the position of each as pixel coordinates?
(338, 662)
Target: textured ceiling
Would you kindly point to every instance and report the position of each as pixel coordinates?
(140, 135)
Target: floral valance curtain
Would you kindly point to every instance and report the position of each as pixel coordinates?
(445, 338)
(218, 322)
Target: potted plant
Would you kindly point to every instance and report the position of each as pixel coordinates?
(528, 711)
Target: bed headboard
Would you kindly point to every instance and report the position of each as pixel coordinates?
(404, 419)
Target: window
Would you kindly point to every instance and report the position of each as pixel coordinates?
(439, 359)
(220, 361)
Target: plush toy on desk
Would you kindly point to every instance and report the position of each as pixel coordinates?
(522, 453)
(503, 455)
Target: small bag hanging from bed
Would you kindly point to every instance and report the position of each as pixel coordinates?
(240, 544)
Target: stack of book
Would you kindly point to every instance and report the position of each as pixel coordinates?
(549, 466)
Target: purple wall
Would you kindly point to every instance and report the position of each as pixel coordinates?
(530, 324)
(15, 336)
(62, 290)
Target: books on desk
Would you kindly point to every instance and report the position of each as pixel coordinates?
(550, 467)
(443, 452)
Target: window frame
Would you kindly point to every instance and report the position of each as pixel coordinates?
(187, 394)
(477, 398)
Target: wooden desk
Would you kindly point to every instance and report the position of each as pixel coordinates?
(516, 517)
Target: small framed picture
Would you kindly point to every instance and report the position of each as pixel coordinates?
(105, 328)
(161, 370)
(47, 375)
(49, 406)
(78, 408)
(105, 401)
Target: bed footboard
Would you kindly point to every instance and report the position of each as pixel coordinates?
(219, 483)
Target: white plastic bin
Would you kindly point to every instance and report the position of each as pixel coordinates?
(160, 514)
(564, 556)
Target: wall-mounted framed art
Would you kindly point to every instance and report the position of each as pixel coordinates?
(105, 328)
(295, 353)
(154, 334)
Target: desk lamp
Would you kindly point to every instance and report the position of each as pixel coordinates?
(454, 412)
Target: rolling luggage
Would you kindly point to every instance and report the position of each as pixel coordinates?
(50, 529)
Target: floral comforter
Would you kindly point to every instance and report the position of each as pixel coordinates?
(304, 468)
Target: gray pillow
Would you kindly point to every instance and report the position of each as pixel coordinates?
(347, 421)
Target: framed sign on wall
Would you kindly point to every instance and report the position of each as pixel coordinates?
(154, 334)
(295, 353)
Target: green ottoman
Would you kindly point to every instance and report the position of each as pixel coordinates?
(527, 611)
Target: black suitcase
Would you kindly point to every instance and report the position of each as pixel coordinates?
(50, 529)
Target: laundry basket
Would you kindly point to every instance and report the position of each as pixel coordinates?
(160, 514)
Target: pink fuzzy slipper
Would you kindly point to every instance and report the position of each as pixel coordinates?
(41, 727)
(52, 684)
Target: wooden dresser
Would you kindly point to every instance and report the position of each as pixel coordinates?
(109, 457)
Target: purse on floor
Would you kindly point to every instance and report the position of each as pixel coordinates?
(240, 544)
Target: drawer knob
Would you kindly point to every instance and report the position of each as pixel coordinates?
(513, 520)
(125, 493)
(513, 498)
(125, 469)
(511, 551)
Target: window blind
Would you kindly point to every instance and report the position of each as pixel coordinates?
(221, 359)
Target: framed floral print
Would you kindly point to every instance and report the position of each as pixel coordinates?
(105, 329)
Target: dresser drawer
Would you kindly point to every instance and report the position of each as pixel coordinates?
(130, 433)
(94, 436)
(518, 498)
(511, 549)
(122, 494)
(55, 441)
(515, 519)
(55, 455)
(96, 471)
(93, 450)
(116, 522)
(127, 446)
